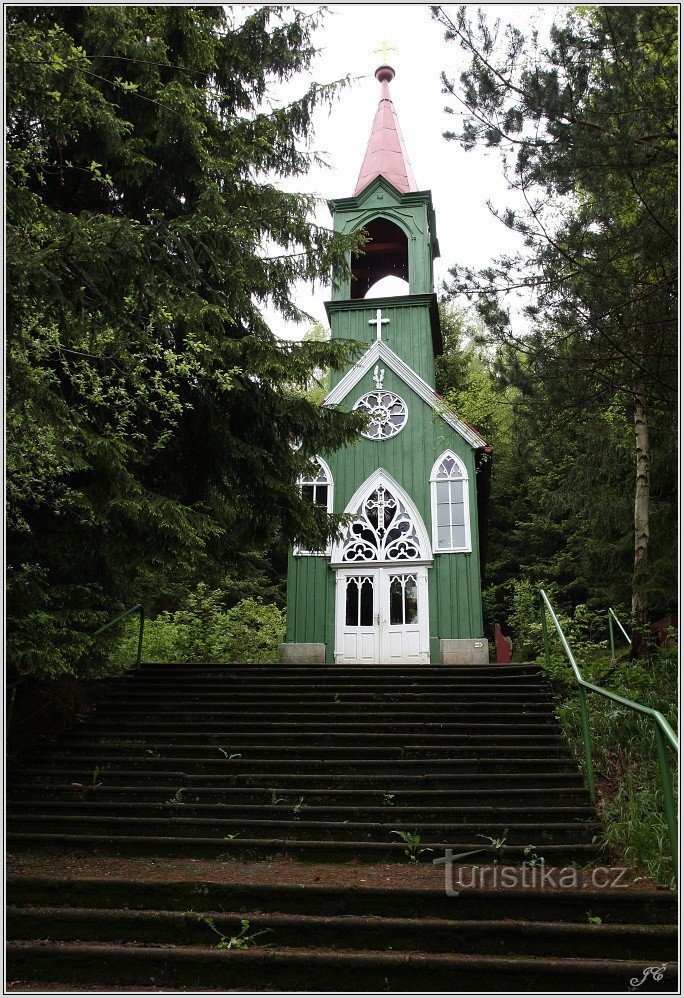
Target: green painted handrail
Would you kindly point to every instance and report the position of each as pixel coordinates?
(139, 609)
(663, 732)
(612, 616)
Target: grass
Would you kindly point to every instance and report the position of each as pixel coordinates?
(630, 798)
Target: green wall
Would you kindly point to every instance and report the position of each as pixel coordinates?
(411, 332)
(454, 579)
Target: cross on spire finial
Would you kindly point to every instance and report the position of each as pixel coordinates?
(385, 47)
(378, 322)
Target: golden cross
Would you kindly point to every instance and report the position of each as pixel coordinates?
(385, 47)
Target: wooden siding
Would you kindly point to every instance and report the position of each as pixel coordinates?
(412, 213)
(454, 580)
(408, 333)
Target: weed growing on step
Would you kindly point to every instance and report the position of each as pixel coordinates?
(336, 698)
(594, 919)
(228, 754)
(297, 807)
(412, 843)
(388, 800)
(531, 857)
(177, 797)
(96, 772)
(231, 836)
(243, 940)
(275, 799)
(497, 844)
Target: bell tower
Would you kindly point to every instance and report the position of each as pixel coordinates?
(402, 242)
(401, 584)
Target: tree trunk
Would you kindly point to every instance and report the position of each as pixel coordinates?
(641, 520)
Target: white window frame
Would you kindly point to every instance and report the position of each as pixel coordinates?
(299, 551)
(462, 476)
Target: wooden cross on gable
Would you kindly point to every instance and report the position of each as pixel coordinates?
(378, 322)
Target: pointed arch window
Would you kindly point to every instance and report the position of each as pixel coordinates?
(316, 487)
(450, 505)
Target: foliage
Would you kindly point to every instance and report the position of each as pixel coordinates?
(630, 800)
(320, 381)
(587, 133)
(586, 129)
(150, 409)
(205, 630)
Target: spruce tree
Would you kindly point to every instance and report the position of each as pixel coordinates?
(587, 129)
(150, 413)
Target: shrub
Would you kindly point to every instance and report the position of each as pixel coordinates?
(203, 630)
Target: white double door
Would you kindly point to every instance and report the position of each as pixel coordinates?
(381, 615)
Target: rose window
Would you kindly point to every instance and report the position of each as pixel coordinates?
(387, 413)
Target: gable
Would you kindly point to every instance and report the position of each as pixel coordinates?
(380, 353)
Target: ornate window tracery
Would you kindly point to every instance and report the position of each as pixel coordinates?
(388, 414)
(383, 531)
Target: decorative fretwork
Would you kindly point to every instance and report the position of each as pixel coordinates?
(388, 414)
(383, 531)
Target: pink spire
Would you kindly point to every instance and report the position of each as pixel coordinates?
(386, 153)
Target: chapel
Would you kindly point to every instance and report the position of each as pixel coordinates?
(401, 583)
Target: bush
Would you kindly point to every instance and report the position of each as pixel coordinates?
(629, 795)
(203, 630)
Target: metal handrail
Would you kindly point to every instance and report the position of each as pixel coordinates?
(139, 609)
(663, 731)
(612, 616)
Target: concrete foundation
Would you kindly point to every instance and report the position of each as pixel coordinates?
(302, 653)
(463, 651)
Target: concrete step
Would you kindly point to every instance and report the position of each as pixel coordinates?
(380, 811)
(303, 969)
(294, 740)
(20, 792)
(129, 726)
(301, 827)
(623, 905)
(428, 935)
(253, 750)
(328, 851)
(542, 765)
(450, 780)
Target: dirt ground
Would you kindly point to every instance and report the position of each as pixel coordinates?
(293, 872)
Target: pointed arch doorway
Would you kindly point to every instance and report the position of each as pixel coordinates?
(381, 592)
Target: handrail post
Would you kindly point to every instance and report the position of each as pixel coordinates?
(586, 738)
(138, 658)
(668, 798)
(612, 636)
(545, 635)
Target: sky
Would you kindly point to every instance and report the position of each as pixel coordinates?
(461, 182)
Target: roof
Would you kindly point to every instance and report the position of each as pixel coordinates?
(386, 154)
(379, 351)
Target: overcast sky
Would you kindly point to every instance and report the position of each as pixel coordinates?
(461, 183)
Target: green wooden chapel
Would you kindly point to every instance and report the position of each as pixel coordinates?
(401, 584)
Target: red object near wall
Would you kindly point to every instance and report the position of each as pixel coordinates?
(504, 646)
(661, 628)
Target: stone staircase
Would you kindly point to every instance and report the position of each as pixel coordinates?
(241, 762)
